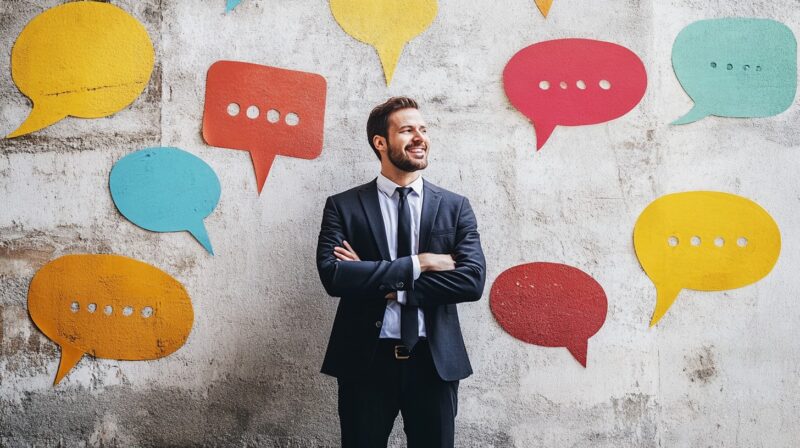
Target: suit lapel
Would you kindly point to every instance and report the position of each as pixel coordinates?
(430, 207)
(372, 209)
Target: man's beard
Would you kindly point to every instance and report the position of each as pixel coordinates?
(400, 159)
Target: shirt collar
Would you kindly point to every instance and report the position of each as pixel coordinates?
(388, 187)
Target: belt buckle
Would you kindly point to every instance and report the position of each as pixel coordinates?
(401, 352)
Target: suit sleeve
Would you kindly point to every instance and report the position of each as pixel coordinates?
(356, 279)
(465, 283)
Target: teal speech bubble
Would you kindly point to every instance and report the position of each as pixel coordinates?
(166, 190)
(231, 4)
(736, 67)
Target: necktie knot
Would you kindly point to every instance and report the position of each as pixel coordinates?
(403, 191)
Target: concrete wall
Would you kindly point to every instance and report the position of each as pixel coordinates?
(721, 369)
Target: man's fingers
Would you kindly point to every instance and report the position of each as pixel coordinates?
(350, 248)
(343, 254)
(342, 250)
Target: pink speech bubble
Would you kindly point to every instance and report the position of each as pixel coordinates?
(573, 82)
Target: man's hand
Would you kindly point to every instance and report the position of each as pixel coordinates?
(345, 253)
(436, 262)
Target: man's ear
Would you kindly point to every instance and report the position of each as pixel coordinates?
(379, 141)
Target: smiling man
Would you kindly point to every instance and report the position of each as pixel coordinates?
(401, 253)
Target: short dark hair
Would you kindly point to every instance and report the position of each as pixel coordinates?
(378, 121)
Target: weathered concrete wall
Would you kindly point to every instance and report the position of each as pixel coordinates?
(722, 369)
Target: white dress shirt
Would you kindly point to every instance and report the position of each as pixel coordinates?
(388, 198)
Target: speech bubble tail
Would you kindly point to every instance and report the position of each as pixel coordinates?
(262, 163)
(665, 297)
(543, 133)
(200, 233)
(390, 56)
(579, 350)
(40, 118)
(69, 358)
(544, 6)
(693, 115)
(231, 4)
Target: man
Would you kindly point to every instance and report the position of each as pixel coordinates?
(401, 253)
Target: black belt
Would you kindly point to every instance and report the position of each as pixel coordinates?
(396, 346)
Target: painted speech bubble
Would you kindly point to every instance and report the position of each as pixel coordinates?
(80, 59)
(544, 6)
(387, 25)
(267, 111)
(704, 240)
(231, 4)
(549, 304)
(109, 306)
(573, 82)
(736, 67)
(166, 190)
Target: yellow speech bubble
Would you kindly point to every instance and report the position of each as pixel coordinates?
(544, 6)
(84, 59)
(704, 240)
(109, 306)
(387, 25)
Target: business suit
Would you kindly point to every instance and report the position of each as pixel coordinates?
(448, 226)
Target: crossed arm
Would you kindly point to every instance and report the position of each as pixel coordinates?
(428, 262)
(445, 278)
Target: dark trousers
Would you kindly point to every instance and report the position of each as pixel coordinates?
(369, 405)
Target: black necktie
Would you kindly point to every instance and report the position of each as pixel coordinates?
(409, 322)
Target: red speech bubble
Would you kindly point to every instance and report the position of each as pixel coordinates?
(550, 304)
(267, 111)
(573, 82)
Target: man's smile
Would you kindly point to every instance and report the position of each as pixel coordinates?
(417, 151)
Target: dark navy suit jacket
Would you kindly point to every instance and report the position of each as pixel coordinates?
(448, 226)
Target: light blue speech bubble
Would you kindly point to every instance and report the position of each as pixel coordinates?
(166, 190)
(736, 67)
(231, 4)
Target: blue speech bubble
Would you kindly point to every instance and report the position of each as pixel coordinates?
(166, 190)
(231, 4)
(736, 67)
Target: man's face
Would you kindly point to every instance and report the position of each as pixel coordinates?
(407, 140)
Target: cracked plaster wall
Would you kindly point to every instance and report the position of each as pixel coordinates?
(722, 369)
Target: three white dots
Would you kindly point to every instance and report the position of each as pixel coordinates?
(273, 115)
(580, 84)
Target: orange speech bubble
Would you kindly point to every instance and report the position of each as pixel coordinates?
(267, 111)
(109, 306)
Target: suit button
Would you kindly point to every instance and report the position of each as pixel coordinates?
(378, 324)
(400, 284)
